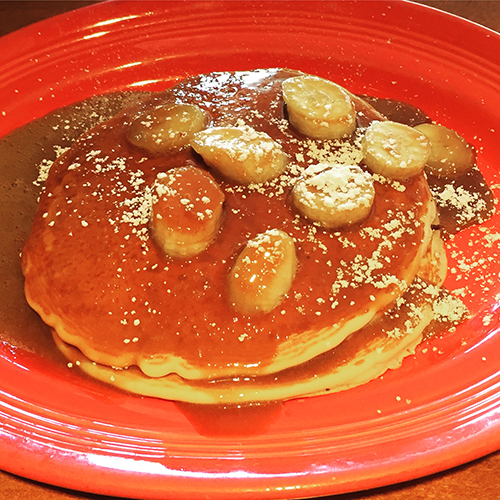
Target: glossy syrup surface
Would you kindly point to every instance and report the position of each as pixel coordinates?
(150, 305)
(22, 327)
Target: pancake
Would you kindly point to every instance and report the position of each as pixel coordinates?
(363, 356)
(115, 300)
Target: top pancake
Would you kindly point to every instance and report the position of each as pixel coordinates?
(94, 275)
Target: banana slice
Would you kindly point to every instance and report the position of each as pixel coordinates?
(395, 150)
(318, 108)
(186, 211)
(451, 155)
(167, 128)
(241, 154)
(334, 195)
(263, 273)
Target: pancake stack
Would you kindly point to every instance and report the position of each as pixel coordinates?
(240, 237)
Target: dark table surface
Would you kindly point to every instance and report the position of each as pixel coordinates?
(476, 480)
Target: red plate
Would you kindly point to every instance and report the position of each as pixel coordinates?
(441, 409)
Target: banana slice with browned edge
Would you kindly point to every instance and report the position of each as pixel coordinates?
(167, 128)
(186, 211)
(451, 155)
(241, 154)
(319, 108)
(334, 195)
(395, 150)
(263, 273)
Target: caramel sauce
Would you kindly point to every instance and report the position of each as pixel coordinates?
(231, 420)
(150, 304)
(21, 153)
(26, 148)
(462, 202)
(398, 111)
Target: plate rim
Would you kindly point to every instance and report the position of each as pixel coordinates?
(316, 487)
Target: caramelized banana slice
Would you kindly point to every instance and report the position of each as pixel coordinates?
(451, 155)
(167, 128)
(318, 108)
(263, 273)
(334, 195)
(186, 212)
(241, 154)
(395, 150)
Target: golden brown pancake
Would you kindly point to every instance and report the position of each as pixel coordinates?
(363, 356)
(95, 275)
